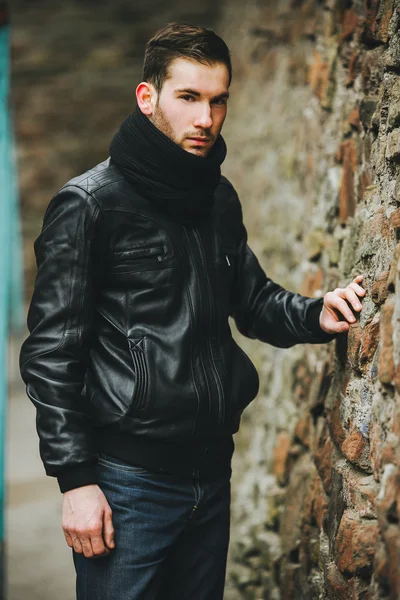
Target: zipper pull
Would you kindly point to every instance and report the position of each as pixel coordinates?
(227, 260)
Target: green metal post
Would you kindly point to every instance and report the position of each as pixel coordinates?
(10, 258)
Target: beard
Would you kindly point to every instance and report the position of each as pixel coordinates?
(159, 119)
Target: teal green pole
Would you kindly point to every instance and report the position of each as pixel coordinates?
(17, 275)
(8, 215)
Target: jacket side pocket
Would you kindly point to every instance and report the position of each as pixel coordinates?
(137, 350)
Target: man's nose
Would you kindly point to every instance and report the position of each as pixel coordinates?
(203, 118)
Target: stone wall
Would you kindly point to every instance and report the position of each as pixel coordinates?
(314, 151)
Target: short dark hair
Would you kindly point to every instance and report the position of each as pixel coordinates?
(182, 40)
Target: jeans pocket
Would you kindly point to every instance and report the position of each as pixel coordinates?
(110, 462)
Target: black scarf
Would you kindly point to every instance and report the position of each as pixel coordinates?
(171, 178)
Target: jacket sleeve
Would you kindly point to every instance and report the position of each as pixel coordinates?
(53, 357)
(264, 310)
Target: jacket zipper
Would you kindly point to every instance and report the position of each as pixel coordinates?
(190, 303)
(221, 408)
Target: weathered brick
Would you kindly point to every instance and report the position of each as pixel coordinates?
(356, 449)
(336, 585)
(386, 359)
(369, 341)
(375, 440)
(302, 430)
(353, 344)
(318, 75)
(350, 22)
(360, 492)
(354, 118)
(281, 457)
(323, 457)
(336, 507)
(352, 68)
(377, 19)
(319, 506)
(356, 543)
(395, 219)
(397, 378)
(347, 155)
(379, 289)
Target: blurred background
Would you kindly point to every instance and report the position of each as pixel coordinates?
(313, 150)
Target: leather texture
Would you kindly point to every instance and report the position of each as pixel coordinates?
(129, 319)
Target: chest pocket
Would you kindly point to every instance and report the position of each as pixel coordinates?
(141, 258)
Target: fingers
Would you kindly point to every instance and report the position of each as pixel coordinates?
(350, 295)
(108, 529)
(87, 540)
(336, 300)
(357, 288)
(86, 545)
(342, 302)
(97, 544)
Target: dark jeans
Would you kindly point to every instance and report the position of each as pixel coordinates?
(171, 537)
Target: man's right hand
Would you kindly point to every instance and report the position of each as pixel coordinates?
(87, 521)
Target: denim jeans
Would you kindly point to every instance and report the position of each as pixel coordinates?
(171, 537)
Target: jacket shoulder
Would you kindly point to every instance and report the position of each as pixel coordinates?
(96, 178)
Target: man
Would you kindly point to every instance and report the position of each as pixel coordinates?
(130, 362)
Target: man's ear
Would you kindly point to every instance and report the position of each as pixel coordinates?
(146, 96)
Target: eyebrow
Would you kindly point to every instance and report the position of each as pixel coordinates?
(197, 94)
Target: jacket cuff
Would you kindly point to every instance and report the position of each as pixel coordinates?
(313, 313)
(77, 477)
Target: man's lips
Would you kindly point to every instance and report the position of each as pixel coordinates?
(202, 141)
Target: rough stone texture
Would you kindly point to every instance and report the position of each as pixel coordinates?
(313, 134)
(315, 105)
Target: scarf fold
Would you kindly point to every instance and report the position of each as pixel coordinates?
(174, 180)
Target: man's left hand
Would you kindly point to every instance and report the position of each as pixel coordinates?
(337, 305)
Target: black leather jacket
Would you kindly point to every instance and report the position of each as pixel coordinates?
(129, 320)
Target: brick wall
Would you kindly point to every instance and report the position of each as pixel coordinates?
(314, 151)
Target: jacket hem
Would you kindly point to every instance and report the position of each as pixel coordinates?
(209, 458)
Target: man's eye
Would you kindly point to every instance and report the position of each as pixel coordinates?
(220, 101)
(187, 97)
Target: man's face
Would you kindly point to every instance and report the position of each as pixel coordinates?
(192, 105)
